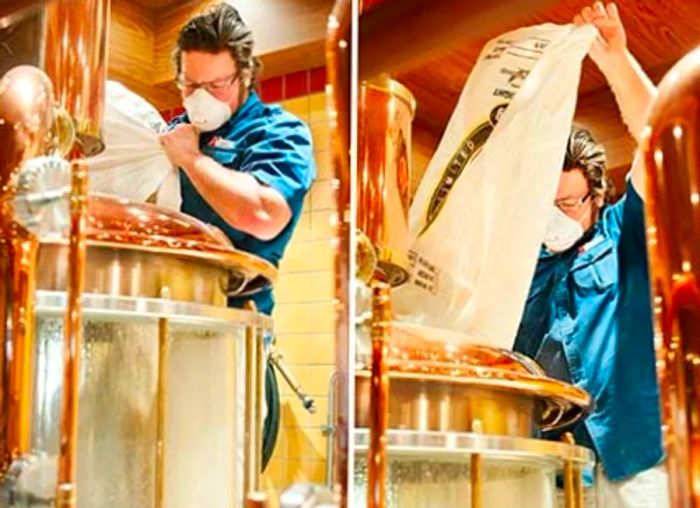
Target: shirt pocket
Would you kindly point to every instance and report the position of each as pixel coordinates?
(596, 269)
(229, 157)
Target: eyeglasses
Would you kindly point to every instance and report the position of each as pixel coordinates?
(216, 85)
(571, 204)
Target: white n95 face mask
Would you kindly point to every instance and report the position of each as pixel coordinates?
(562, 231)
(205, 111)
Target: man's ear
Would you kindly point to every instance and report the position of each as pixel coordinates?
(246, 78)
(599, 199)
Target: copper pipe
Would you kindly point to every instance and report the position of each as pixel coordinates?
(573, 487)
(24, 250)
(67, 460)
(429, 26)
(259, 398)
(251, 470)
(162, 395)
(379, 418)
(476, 481)
(5, 299)
(476, 478)
(75, 60)
(339, 47)
(671, 143)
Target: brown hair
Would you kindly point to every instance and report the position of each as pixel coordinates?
(219, 28)
(582, 152)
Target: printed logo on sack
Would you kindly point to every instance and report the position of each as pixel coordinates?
(468, 150)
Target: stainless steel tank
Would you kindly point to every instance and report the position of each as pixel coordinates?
(168, 386)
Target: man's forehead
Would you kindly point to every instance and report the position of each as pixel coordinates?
(201, 66)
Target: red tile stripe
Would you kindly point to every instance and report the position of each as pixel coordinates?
(279, 88)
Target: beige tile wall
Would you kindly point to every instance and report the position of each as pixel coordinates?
(304, 315)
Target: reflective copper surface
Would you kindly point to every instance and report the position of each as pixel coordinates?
(117, 221)
(75, 59)
(672, 156)
(137, 249)
(26, 115)
(19, 359)
(386, 110)
(339, 48)
(378, 403)
(444, 386)
(73, 332)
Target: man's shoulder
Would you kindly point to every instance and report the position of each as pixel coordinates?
(276, 117)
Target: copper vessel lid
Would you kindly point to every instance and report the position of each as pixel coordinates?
(418, 352)
(122, 224)
(393, 88)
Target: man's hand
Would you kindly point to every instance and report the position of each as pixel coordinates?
(181, 145)
(611, 42)
(633, 90)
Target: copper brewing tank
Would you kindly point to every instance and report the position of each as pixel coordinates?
(440, 422)
(144, 265)
(672, 156)
(386, 110)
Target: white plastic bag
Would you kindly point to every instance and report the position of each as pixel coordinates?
(477, 226)
(133, 165)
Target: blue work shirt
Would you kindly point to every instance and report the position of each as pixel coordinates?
(275, 147)
(588, 321)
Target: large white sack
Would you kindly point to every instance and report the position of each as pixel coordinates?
(476, 234)
(133, 165)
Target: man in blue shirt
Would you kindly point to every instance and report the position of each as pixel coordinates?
(588, 316)
(245, 166)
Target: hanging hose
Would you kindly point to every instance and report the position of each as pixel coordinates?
(271, 427)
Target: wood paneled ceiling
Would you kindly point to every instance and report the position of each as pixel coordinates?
(289, 36)
(659, 33)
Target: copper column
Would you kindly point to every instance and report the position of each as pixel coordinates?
(672, 157)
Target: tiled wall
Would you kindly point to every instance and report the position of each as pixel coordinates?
(304, 314)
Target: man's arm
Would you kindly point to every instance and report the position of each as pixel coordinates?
(633, 90)
(238, 197)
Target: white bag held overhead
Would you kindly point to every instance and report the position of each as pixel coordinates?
(479, 215)
(133, 165)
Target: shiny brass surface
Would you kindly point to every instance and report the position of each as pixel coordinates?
(366, 261)
(253, 409)
(75, 53)
(671, 143)
(573, 486)
(68, 435)
(379, 389)
(476, 481)
(259, 401)
(161, 398)
(386, 110)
